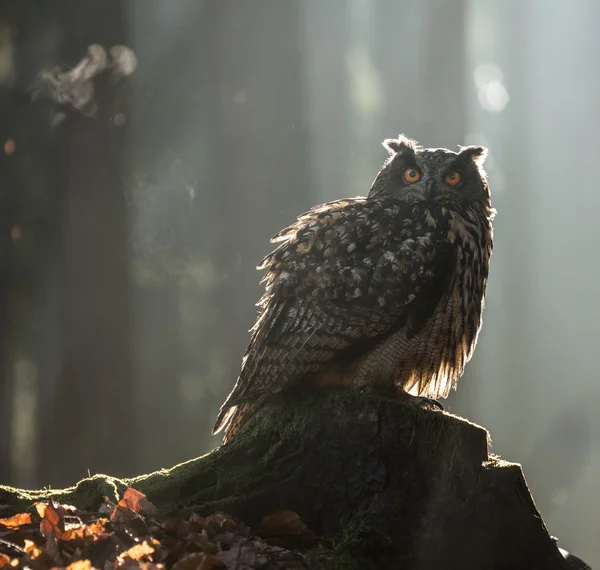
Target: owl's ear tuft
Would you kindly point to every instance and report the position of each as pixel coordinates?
(400, 145)
(477, 154)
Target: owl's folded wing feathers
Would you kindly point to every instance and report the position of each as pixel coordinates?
(346, 274)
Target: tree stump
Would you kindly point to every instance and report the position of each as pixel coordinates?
(397, 486)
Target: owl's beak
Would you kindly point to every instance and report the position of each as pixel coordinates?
(430, 189)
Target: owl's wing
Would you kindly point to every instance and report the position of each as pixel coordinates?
(347, 273)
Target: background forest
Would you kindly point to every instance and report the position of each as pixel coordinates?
(128, 239)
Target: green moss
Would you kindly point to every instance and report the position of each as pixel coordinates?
(356, 548)
(260, 455)
(88, 494)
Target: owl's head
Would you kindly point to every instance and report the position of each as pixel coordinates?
(434, 174)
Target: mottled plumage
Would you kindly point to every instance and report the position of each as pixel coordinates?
(384, 292)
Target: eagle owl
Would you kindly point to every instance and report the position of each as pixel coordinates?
(383, 292)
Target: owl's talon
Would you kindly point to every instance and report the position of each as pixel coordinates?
(429, 402)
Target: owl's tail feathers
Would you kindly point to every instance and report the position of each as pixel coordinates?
(224, 417)
(232, 420)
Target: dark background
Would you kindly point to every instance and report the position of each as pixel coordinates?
(128, 240)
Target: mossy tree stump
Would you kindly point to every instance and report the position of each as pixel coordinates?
(398, 486)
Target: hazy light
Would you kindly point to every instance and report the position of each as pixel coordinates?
(477, 139)
(487, 73)
(491, 91)
(240, 97)
(191, 388)
(559, 497)
(366, 90)
(24, 429)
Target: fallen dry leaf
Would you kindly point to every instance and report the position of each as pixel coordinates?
(121, 515)
(71, 539)
(16, 521)
(178, 526)
(30, 547)
(196, 518)
(95, 530)
(52, 549)
(51, 527)
(52, 519)
(80, 565)
(220, 523)
(136, 552)
(245, 556)
(137, 502)
(199, 561)
(283, 524)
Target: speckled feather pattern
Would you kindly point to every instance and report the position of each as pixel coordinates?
(381, 291)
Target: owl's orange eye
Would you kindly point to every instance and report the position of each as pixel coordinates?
(412, 175)
(452, 178)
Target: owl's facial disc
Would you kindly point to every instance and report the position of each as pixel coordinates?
(419, 174)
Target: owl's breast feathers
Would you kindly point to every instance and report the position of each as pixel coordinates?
(350, 274)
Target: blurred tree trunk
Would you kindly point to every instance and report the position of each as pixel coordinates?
(441, 73)
(168, 135)
(324, 46)
(10, 206)
(260, 154)
(7, 272)
(421, 55)
(89, 416)
(28, 223)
